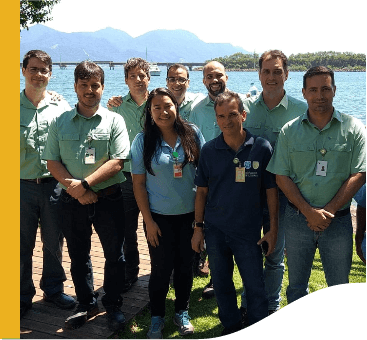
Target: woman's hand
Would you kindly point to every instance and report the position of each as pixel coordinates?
(152, 233)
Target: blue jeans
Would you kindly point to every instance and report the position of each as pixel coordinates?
(335, 245)
(38, 204)
(221, 248)
(274, 263)
(108, 221)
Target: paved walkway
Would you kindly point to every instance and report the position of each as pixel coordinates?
(45, 321)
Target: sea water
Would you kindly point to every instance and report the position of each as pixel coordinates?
(350, 95)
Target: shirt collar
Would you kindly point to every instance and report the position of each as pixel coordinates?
(24, 101)
(283, 102)
(336, 115)
(221, 144)
(75, 113)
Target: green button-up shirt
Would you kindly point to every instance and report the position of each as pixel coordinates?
(298, 150)
(132, 114)
(191, 99)
(203, 116)
(71, 134)
(267, 123)
(34, 124)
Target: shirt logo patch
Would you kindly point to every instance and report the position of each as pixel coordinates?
(255, 164)
(247, 165)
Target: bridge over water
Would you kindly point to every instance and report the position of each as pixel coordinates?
(112, 64)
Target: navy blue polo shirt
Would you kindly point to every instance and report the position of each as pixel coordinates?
(235, 207)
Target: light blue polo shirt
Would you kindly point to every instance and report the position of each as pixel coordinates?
(167, 195)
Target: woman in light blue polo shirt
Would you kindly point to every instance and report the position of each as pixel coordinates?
(164, 159)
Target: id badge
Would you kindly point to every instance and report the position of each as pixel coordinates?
(177, 170)
(321, 168)
(90, 156)
(240, 174)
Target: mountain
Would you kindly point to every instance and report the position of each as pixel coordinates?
(116, 45)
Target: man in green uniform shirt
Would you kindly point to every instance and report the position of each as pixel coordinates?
(320, 164)
(266, 115)
(85, 152)
(131, 108)
(38, 189)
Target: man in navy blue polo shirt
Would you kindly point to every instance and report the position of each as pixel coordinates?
(233, 185)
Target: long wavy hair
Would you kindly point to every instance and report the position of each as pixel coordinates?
(153, 135)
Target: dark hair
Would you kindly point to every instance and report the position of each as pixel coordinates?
(153, 136)
(88, 69)
(41, 55)
(227, 97)
(274, 54)
(177, 66)
(317, 70)
(136, 62)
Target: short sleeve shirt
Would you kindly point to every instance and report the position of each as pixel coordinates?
(235, 207)
(34, 125)
(267, 123)
(167, 195)
(298, 151)
(71, 134)
(132, 114)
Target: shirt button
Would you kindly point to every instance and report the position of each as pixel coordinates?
(316, 184)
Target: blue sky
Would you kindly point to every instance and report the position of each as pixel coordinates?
(292, 26)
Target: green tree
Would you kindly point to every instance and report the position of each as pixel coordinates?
(35, 12)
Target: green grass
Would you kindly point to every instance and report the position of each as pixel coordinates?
(204, 313)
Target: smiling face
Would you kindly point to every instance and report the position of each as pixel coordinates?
(273, 76)
(89, 92)
(319, 94)
(137, 81)
(215, 78)
(229, 118)
(163, 112)
(178, 82)
(37, 74)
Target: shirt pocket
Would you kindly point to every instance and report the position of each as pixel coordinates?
(302, 158)
(101, 143)
(338, 157)
(24, 134)
(69, 146)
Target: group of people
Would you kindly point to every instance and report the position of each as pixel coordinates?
(202, 172)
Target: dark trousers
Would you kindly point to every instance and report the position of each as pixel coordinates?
(173, 253)
(107, 218)
(38, 204)
(131, 210)
(221, 249)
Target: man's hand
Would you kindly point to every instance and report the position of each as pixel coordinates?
(75, 188)
(197, 240)
(359, 239)
(318, 219)
(114, 101)
(88, 198)
(56, 97)
(271, 238)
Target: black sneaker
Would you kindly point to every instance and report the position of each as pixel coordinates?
(271, 311)
(115, 318)
(61, 300)
(244, 317)
(24, 308)
(230, 330)
(81, 315)
(208, 291)
(128, 284)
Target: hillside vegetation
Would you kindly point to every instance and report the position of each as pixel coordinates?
(337, 61)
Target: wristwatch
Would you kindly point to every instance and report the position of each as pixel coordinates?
(85, 184)
(197, 225)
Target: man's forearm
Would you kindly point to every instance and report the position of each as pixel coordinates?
(200, 202)
(59, 171)
(346, 192)
(105, 172)
(273, 206)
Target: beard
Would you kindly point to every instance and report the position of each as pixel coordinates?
(221, 89)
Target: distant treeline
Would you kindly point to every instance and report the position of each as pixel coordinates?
(337, 61)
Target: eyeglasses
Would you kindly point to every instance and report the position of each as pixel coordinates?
(35, 70)
(179, 80)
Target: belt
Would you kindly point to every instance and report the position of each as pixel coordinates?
(108, 191)
(339, 213)
(39, 180)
